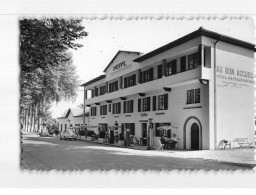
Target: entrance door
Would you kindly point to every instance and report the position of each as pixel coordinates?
(143, 129)
(194, 136)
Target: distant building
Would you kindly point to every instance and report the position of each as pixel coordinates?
(200, 85)
(74, 117)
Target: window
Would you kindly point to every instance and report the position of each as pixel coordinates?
(159, 71)
(183, 64)
(197, 96)
(131, 127)
(130, 81)
(193, 96)
(160, 132)
(93, 111)
(163, 102)
(116, 108)
(113, 86)
(65, 126)
(128, 106)
(193, 61)
(109, 107)
(102, 90)
(146, 104)
(171, 68)
(147, 75)
(103, 110)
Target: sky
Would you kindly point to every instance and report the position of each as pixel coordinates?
(106, 37)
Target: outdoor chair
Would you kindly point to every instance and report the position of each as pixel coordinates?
(137, 141)
(161, 146)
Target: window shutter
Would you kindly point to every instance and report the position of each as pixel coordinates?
(109, 107)
(95, 111)
(192, 96)
(159, 71)
(125, 82)
(140, 76)
(131, 106)
(183, 64)
(151, 73)
(154, 103)
(174, 66)
(121, 82)
(139, 105)
(119, 107)
(134, 79)
(166, 101)
(148, 103)
(113, 108)
(124, 107)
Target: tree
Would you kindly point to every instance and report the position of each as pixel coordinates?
(47, 71)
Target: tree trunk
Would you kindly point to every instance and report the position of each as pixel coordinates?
(27, 126)
(25, 120)
(35, 114)
(38, 117)
(31, 119)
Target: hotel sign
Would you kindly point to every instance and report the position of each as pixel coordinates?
(120, 65)
(234, 77)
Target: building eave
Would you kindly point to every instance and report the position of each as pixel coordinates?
(200, 32)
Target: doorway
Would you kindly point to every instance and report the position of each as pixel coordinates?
(144, 130)
(194, 136)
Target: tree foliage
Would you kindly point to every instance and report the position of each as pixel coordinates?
(47, 71)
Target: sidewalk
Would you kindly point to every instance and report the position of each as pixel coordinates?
(245, 157)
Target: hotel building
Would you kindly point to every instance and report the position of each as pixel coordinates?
(202, 85)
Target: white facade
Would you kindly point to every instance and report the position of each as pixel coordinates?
(202, 114)
(73, 117)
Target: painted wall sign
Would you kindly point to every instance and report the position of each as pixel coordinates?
(234, 77)
(120, 65)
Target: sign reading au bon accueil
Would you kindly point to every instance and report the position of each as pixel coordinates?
(235, 77)
(118, 66)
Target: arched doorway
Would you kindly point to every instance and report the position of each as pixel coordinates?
(194, 136)
(192, 129)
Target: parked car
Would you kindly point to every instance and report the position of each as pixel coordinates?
(68, 134)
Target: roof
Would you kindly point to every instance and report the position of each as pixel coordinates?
(76, 112)
(62, 117)
(94, 80)
(117, 55)
(200, 32)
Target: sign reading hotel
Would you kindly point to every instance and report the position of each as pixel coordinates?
(234, 77)
(120, 65)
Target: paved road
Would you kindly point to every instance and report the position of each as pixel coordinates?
(48, 153)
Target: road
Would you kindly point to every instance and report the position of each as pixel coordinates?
(47, 153)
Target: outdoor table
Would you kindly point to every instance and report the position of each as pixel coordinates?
(143, 141)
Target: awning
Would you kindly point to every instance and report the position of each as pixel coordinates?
(168, 127)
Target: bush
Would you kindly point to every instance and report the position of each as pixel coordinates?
(102, 134)
(121, 136)
(90, 133)
(81, 132)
